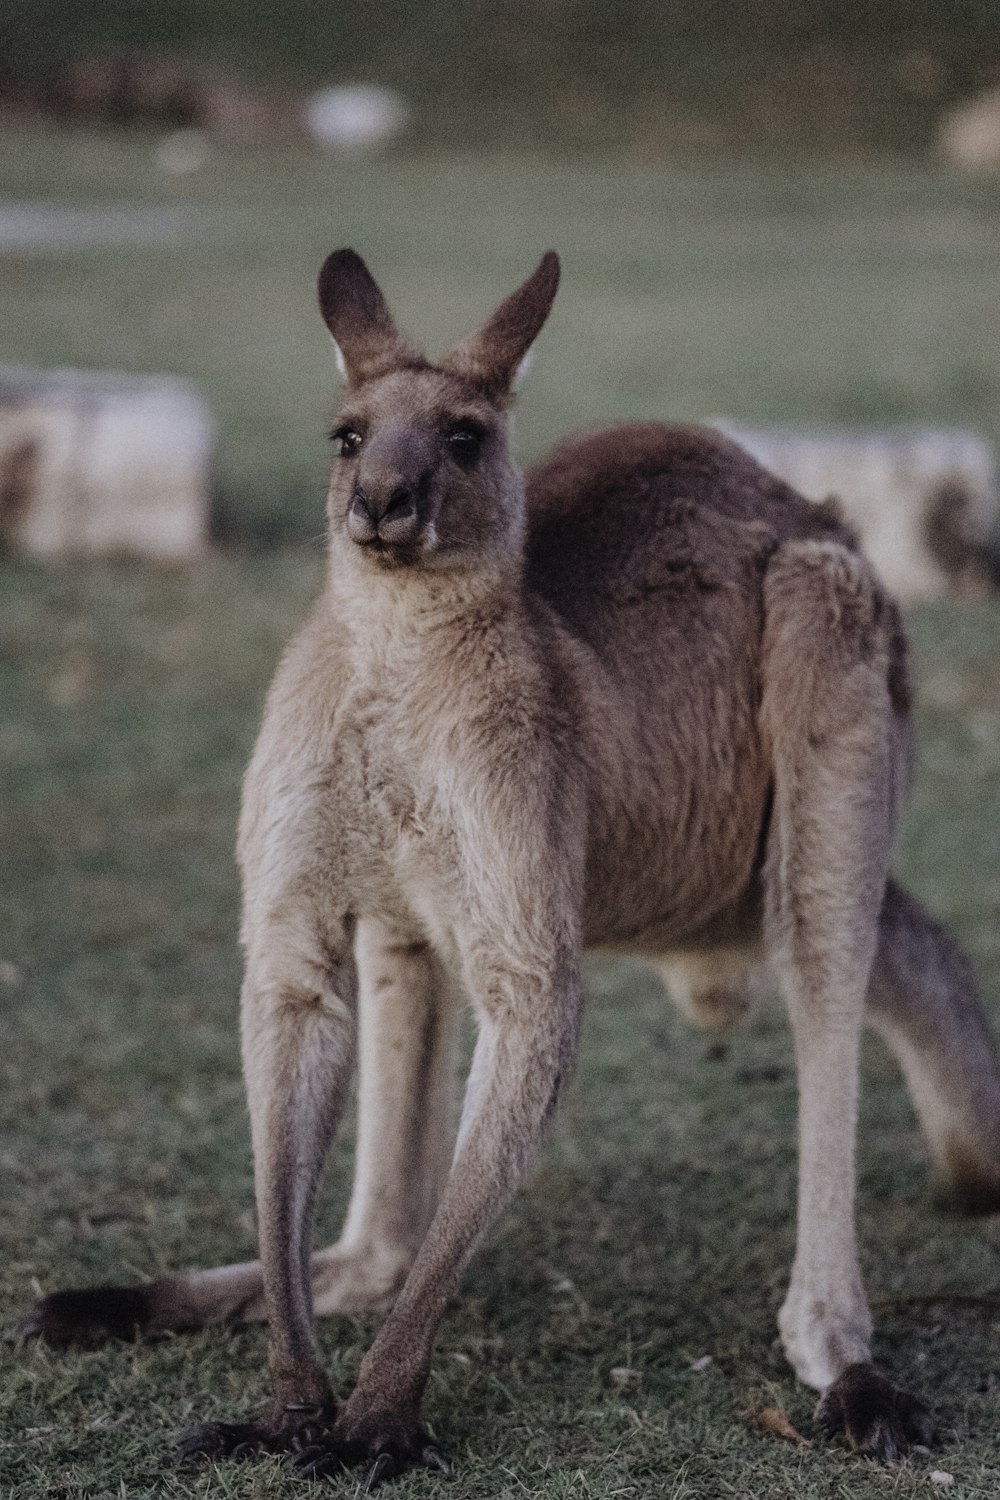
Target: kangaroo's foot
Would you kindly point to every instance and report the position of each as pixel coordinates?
(325, 1459)
(224, 1440)
(380, 1428)
(293, 1428)
(389, 1440)
(874, 1416)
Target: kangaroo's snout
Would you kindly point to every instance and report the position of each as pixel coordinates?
(387, 515)
(390, 487)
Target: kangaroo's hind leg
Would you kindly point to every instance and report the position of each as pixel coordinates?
(834, 737)
(406, 1024)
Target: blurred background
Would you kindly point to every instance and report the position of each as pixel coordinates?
(784, 216)
(767, 212)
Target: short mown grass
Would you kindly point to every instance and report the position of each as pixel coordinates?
(657, 1224)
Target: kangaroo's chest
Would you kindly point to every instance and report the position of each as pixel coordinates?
(387, 799)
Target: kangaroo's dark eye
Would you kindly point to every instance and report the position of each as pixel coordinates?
(349, 440)
(464, 443)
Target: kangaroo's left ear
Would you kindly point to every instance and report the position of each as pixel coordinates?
(492, 357)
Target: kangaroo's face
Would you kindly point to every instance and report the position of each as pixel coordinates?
(421, 472)
(422, 475)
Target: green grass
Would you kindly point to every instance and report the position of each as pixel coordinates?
(656, 1226)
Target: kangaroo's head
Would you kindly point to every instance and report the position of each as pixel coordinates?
(422, 477)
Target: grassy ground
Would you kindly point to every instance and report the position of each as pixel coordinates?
(657, 1226)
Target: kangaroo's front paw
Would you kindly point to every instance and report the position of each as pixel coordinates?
(875, 1417)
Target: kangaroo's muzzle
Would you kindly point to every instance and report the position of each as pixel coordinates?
(388, 517)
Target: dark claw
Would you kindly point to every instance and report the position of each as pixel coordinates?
(882, 1441)
(317, 1461)
(432, 1458)
(219, 1440)
(307, 1453)
(382, 1470)
(917, 1420)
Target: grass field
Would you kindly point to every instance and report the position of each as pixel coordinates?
(657, 1225)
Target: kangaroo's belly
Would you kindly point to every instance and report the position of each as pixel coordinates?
(678, 822)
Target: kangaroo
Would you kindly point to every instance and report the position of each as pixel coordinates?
(652, 701)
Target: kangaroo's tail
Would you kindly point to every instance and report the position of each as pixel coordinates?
(192, 1299)
(923, 1001)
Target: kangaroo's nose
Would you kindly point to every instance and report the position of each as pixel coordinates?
(386, 513)
(399, 503)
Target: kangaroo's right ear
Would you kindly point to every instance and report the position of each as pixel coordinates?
(368, 342)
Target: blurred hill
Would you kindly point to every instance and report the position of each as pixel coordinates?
(696, 76)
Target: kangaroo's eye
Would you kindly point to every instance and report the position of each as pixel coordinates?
(349, 440)
(464, 443)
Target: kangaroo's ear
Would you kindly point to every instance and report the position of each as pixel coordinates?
(493, 356)
(368, 342)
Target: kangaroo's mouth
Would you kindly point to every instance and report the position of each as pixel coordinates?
(383, 553)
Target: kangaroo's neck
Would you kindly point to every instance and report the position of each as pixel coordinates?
(423, 625)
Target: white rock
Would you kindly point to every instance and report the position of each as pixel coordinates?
(969, 135)
(941, 1476)
(356, 116)
(923, 500)
(96, 463)
(182, 152)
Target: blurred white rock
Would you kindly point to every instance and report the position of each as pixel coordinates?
(103, 463)
(355, 116)
(923, 500)
(182, 152)
(969, 134)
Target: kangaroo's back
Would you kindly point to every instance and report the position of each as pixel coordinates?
(651, 544)
(634, 514)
